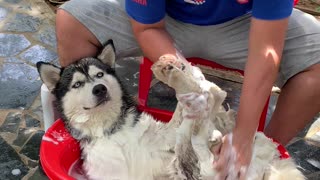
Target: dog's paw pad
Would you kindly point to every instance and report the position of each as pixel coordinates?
(170, 61)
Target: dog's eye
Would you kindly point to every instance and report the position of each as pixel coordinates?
(99, 75)
(77, 84)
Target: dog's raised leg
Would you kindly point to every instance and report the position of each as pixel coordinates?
(191, 103)
(177, 74)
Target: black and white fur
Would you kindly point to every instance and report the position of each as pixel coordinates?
(118, 142)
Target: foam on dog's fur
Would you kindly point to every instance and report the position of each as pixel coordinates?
(282, 170)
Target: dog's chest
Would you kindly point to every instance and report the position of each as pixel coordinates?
(105, 160)
(125, 156)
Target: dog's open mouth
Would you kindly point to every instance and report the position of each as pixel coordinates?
(102, 101)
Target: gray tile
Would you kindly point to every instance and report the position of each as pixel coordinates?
(38, 175)
(19, 85)
(10, 160)
(31, 121)
(47, 36)
(38, 53)
(25, 6)
(3, 13)
(32, 148)
(162, 96)
(11, 123)
(23, 136)
(128, 71)
(13, 1)
(306, 155)
(22, 23)
(12, 44)
(12, 60)
(32, 163)
(314, 176)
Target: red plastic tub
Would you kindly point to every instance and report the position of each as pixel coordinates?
(59, 151)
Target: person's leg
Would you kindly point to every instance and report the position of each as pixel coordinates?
(83, 27)
(299, 74)
(299, 100)
(297, 104)
(75, 41)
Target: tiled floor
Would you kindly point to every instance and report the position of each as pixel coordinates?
(27, 35)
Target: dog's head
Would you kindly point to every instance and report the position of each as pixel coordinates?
(87, 90)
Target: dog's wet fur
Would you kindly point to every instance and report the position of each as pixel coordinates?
(119, 142)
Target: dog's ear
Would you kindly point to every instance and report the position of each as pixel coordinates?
(108, 54)
(49, 74)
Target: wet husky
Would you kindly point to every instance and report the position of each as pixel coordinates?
(118, 142)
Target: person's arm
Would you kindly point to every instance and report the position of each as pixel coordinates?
(148, 25)
(266, 41)
(153, 39)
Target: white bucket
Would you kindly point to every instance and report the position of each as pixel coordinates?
(49, 112)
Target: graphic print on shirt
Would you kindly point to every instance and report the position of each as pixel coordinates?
(141, 2)
(196, 2)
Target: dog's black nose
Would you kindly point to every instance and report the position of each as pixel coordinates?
(99, 90)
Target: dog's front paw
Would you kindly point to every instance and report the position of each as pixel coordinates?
(166, 67)
(176, 73)
(169, 60)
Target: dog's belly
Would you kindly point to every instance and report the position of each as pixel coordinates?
(123, 157)
(105, 160)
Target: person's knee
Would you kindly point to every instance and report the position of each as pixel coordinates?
(313, 80)
(69, 29)
(74, 40)
(310, 80)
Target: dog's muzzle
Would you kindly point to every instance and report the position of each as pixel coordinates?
(100, 91)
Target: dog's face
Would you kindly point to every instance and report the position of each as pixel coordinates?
(87, 89)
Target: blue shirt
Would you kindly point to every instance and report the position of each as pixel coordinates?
(206, 12)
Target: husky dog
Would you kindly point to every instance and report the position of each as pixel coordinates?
(118, 142)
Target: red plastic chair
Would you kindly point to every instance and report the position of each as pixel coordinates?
(145, 78)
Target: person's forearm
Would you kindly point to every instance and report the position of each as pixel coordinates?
(154, 41)
(266, 43)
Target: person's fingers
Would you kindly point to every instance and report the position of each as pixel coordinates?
(242, 168)
(237, 169)
(234, 167)
(223, 156)
(243, 173)
(216, 150)
(222, 165)
(222, 175)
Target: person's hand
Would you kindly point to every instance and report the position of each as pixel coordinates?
(234, 156)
